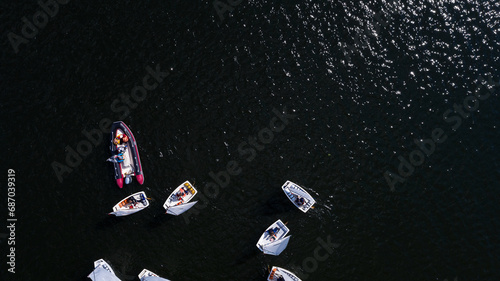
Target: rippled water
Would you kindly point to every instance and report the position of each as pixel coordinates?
(363, 81)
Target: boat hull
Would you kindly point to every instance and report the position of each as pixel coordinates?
(176, 205)
(147, 275)
(131, 204)
(277, 272)
(102, 272)
(293, 190)
(276, 242)
(132, 164)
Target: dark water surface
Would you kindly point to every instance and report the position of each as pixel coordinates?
(363, 80)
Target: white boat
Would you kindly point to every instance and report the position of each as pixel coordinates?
(178, 201)
(102, 272)
(299, 197)
(147, 275)
(280, 274)
(274, 240)
(131, 204)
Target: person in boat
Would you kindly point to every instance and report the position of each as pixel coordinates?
(300, 200)
(120, 139)
(117, 158)
(131, 200)
(181, 193)
(122, 149)
(120, 158)
(280, 278)
(272, 233)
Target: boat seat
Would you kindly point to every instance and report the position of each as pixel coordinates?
(189, 187)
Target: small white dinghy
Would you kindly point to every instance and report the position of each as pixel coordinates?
(132, 204)
(147, 275)
(102, 272)
(274, 240)
(178, 201)
(299, 197)
(280, 274)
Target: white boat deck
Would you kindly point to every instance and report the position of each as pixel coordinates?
(293, 191)
(175, 199)
(274, 240)
(102, 272)
(132, 204)
(280, 230)
(278, 272)
(147, 275)
(128, 164)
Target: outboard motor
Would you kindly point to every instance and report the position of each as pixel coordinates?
(128, 179)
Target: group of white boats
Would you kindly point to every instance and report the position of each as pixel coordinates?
(275, 239)
(177, 203)
(127, 163)
(103, 272)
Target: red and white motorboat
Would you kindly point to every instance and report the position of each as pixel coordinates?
(125, 155)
